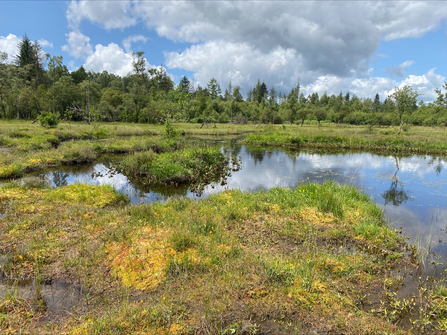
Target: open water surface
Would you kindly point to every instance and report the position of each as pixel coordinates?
(412, 190)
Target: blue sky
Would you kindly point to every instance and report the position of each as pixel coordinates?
(362, 47)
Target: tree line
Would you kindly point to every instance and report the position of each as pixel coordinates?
(36, 82)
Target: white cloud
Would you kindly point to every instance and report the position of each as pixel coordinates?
(243, 65)
(400, 70)
(368, 87)
(425, 84)
(238, 62)
(276, 41)
(404, 19)
(44, 43)
(109, 14)
(110, 58)
(78, 44)
(9, 44)
(127, 42)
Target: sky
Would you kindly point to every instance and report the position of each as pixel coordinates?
(361, 47)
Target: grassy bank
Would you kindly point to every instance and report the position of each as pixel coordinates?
(23, 136)
(234, 263)
(13, 164)
(344, 140)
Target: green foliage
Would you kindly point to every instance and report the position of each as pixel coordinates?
(48, 120)
(151, 96)
(169, 131)
(197, 167)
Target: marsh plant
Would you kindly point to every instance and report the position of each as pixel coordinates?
(196, 167)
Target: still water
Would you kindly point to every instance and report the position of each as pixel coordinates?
(412, 190)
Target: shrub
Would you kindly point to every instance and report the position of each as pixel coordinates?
(48, 120)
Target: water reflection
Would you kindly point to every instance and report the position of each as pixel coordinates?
(412, 190)
(396, 194)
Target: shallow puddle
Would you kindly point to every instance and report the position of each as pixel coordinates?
(59, 298)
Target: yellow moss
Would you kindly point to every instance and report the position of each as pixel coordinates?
(6, 171)
(275, 208)
(315, 217)
(13, 193)
(334, 266)
(89, 215)
(354, 215)
(143, 264)
(175, 329)
(91, 195)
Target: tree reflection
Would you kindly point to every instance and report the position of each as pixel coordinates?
(60, 178)
(396, 193)
(257, 155)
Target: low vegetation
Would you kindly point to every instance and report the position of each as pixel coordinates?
(378, 143)
(318, 258)
(197, 166)
(13, 164)
(285, 261)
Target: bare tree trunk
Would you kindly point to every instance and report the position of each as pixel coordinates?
(400, 128)
(18, 108)
(88, 97)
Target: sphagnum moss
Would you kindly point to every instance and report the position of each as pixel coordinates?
(264, 261)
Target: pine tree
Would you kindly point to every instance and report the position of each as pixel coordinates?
(377, 106)
(272, 96)
(214, 88)
(25, 55)
(347, 96)
(184, 84)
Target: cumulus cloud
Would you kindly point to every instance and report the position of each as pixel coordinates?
(127, 42)
(368, 87)
(404, 19)
(333, 40)
(9, 44)
(78, 44)
(44, 43)
(276, 41)
(238, 62)
(400, 70)
(110, 58)
(109, 14)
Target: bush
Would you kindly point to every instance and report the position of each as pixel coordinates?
(48, 120)
(170, 131)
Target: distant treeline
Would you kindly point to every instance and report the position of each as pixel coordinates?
(36, 82)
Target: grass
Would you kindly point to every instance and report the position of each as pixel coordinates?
(13, 165)
(235, 262)
(23, 136)
(423, 140)
(187, 166)
(285, 261)
(29, 146)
